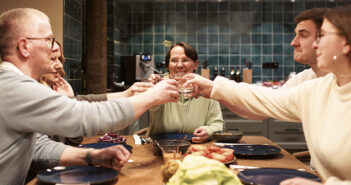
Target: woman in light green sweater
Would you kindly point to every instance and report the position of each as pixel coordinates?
(200, 117)
(323, 105)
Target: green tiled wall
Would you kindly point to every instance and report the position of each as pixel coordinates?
(224, 33)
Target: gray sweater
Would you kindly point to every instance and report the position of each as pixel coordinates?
(27, 107)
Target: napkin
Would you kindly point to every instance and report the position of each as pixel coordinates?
(137, 139)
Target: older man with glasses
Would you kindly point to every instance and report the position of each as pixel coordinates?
(28, 107)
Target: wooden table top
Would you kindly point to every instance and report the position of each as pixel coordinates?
(146, 168)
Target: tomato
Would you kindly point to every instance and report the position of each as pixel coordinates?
(227, 150)
(202, 153)
(198, 148)
(213, 148)
(228, 155)
(218, 157)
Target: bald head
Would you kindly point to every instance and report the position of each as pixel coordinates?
(15, 23)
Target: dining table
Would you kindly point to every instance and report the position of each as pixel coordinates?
(144, 166)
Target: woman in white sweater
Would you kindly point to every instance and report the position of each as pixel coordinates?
(323, 105)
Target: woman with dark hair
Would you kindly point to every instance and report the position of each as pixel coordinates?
(323, 105)
(200, 117)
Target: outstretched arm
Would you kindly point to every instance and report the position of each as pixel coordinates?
(204, 86)
(111, 157)
(137, 87)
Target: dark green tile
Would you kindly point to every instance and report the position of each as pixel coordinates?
(256, 49)
(223, 6)
(278, 49)
(278, 17)
(180, 37)
(213, 38)
(180, 6)
(266, 49)
(223, 49)
(213, 60)
(202, 38)
(235, 49)
(223, 39)
(158, 49)
(201, 6)
(191, 38)
(159, 38)
(278, 38)
(266, 38)
(202, 49)
(289, 6)
(213, 49)
(191, 6)
(223, 60)
(278, 6)
(148, 38)
(245, 6)
(234, 60)
(213, 28)
(256, 38)
(234, 6)
(212, 6)
(267, 6)
(257, 71)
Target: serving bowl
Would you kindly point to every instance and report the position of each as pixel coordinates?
(171, 146)
(228, 136)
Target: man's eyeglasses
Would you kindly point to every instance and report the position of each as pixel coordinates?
(322, 34)
(51, 39)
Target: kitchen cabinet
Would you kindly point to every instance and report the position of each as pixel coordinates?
(288, 135)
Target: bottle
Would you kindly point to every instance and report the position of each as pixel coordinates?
(232, 73)
(237, 76)
(223, 72)
(215, 72)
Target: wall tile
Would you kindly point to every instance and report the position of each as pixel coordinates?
(222, 32)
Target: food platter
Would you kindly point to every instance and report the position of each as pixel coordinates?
(223, 155)
(272, 176)
(77, 175)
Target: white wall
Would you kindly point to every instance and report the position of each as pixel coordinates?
(52, 8)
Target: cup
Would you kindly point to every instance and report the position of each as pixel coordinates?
(182, 90)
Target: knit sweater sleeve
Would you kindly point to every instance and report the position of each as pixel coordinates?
(48, 112)
(279, 104)
(46, 153)
(92, 97)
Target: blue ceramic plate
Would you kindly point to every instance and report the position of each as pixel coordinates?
(272, 176)
(254, 150)
(172, 136)
(104, 145)
(77, 174)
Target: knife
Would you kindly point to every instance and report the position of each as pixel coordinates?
(229, 144)
(240, 167)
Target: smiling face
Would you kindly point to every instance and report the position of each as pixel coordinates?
(306, 32)
(330, 44)
(179, 63)
(54, 75)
